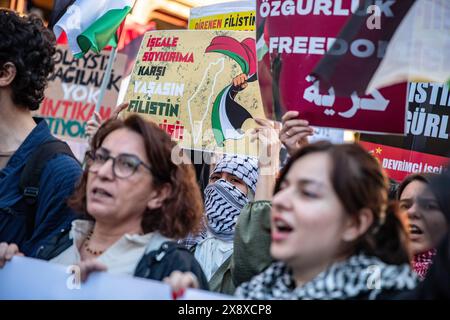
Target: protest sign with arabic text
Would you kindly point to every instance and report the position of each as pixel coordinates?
(296, 35)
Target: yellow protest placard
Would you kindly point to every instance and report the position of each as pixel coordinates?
(199, 86)
(242, 21)
(235, 15)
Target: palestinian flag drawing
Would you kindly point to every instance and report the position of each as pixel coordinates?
(89, 25)
(228, 115)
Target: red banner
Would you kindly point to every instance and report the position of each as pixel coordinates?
(296, 36)
(427, 127)
(400, 163)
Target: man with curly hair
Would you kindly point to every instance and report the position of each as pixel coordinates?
(26, 59)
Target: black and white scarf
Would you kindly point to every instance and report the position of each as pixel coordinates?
(359, 276)
(223, 203)
(245, 168)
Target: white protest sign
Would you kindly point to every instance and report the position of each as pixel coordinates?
(33, 279)
(332, 135)
(192, 294)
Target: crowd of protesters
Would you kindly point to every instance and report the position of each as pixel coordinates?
(319, 225)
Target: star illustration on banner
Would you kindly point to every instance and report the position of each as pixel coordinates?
(378, 150)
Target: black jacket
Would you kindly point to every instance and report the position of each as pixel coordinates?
(155, 265)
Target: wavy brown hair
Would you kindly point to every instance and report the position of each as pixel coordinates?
(182, 209)
(360, 182)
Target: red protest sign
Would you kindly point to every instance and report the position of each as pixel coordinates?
(426, 147)
(400, 163)
(296, 35)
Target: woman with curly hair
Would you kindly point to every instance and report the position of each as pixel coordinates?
(27, 218)
(136, 201)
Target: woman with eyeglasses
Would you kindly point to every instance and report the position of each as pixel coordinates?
(136, 201)
(426, 221)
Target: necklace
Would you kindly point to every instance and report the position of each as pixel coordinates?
(88, 249)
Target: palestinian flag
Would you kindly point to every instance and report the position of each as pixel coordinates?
(89, 25)
(347, 73)
(420, 48)
(130, 41)
(228, 116)
(59, 9)
(262, 36)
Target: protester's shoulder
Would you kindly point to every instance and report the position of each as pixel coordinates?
(171, 252)
(260, 284)
(64, 160)
(183, 260)
(170, 257)
(258, 206)
(59, 177)
(179, 254)
(254, 217)
(62, 168)
(59, 241)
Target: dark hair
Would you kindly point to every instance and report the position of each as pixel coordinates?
(25, 42)
(440, 187)
(422, 177)
(359, 182)
(182, 210)
(393, 189)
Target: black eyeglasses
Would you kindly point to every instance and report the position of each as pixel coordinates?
(124, 165)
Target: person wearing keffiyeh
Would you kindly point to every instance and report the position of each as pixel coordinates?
(334, 234)
(422, 262)
(232, 185)
(426, 221)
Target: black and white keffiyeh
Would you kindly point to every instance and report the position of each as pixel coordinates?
(359, 276)
(244, 168)
(223, 203)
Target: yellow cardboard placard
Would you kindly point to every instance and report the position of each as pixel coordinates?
(183, 81)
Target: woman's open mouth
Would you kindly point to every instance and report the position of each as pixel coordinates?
(101, 193)
(280, 229)
(414, 229)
